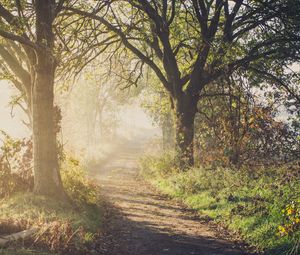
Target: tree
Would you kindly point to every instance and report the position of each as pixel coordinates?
(39, 87)
(42, 45)
(191, 44)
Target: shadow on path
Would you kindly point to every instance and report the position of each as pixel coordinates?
(139, 221)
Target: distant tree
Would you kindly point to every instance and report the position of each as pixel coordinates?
(91, 107)
(191, 44)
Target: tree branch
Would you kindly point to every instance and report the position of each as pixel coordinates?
(18, 38)
(126, 43)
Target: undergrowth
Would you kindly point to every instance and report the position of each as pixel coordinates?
(261, 205)
(62, 228)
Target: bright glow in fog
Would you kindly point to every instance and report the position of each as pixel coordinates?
(135, 122)
(132, 124)
(12, 125)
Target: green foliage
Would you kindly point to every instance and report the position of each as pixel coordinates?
(15, 165)
(291, 224)
(156, 101)
(292, 219)
(80, 189)
(68, 228)
(247, 201)
(165, 165)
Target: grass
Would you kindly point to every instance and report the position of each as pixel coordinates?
(37, 210)
(63, 228)
(248, 203)
(57, 222)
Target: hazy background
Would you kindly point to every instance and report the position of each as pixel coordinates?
(11, 124)
(132, 121)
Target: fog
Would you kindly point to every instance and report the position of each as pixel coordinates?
(128, 122)
(11, 121)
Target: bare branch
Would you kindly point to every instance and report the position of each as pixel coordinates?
(18, 38)
(126, 43)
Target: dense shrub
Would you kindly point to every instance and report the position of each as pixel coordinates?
(238, 129)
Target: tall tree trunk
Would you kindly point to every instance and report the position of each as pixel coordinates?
(185, 111)
(47, 180)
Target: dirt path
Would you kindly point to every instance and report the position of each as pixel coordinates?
(139, 221)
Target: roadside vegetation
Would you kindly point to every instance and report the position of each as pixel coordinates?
(220, 78)
(63, 228)
(246, 168)
(260, 205)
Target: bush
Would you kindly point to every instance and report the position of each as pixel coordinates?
(75, 181)
(160, 166)
(65, 228)
(16, 172)
(291, 224)
(15, 165)
(247, 201)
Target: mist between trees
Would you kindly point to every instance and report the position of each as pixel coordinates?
(195, 49)
(214, 77)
